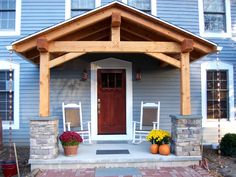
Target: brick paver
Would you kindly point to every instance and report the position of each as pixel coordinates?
(158, 172)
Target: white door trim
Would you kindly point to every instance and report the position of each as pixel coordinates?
(111, 63)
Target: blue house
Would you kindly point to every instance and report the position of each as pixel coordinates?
(55, 43)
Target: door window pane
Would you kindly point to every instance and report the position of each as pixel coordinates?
(111, 80)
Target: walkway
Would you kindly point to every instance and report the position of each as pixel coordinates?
(128, 172)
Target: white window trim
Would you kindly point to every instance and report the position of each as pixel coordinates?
(98, 4)
(17, 22)
(212, 65)
(202, 32)
(5, 65)
(111, 63)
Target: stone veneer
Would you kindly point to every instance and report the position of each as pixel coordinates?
(44, 138)
(186, 132)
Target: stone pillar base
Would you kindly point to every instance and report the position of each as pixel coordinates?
(186, 132)
(43, 138)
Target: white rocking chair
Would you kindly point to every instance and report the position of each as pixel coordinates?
(73, 121)
(149, 119)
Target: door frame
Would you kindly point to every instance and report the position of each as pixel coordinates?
(111, 63)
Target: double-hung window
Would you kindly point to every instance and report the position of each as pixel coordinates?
(7, 113)
(217, 92)
(77, 7)
(80, 6)
(214, 18)
(143, 5)
(10, 17)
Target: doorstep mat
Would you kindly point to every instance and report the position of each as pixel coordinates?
(112, 151)
(117, 172)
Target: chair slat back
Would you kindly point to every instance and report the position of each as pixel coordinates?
(72, 113)
(149, 116)
(150, 112)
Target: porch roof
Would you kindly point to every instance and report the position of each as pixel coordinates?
(139, 32)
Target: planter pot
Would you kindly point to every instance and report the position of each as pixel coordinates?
(164, 149)
(154, 148)
(9, 168)
(70, 150)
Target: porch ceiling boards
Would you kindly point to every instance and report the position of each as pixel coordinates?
(114, 28)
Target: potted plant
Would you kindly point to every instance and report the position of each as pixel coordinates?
(164, 148)
(154, 139)
(70, 141)
(160, 140)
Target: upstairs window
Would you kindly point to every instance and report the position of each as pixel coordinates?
(215, 18)
(143, 5)
(10, 17)
(7, 15)
(77, 7)
(81, 6)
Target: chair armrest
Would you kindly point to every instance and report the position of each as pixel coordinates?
(155, 125)
(68, 126)
(88, 124)
(135, 123)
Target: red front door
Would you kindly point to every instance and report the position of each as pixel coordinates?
(111, 101)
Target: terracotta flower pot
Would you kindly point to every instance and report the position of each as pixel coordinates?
(154, 148)
(70, 150)
(164, 149)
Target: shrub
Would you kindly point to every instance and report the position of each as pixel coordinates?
(228, 144)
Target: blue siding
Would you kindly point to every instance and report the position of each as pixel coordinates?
(66, 85)
(36, 15)
(233, 12)
(181, 13)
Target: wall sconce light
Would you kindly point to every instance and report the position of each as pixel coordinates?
(85, 75)
(138, 75)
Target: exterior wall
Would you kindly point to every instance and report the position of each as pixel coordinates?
(156, 84)
(36, 15)
(233, 19)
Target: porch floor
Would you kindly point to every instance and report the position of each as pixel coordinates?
(139, 157)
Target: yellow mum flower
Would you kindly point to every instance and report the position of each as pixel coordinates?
(158, 137)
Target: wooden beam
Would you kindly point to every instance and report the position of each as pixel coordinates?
(115, 27)
(185, 97)
(163, 29)
(62, 30)
(64, 58)
(107, 46)
(85, 32)
(164, 64)
(115, 19)
(126, 36)
(42, 45)
(97, 36)
(165, 58)
(187, 45)
(44, 95)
